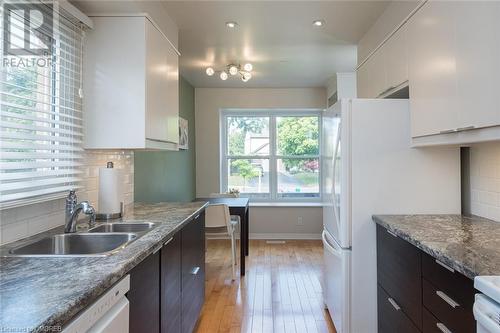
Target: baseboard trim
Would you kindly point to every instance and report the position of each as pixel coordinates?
(283, 236)
(264, 236)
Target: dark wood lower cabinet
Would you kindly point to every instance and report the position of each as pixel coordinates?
(171, 287)
(414, 288)
(167, 289)
(144, 296)
(392, 319)
(193, 272)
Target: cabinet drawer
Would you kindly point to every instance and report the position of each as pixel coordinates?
(432, 325)
(456, 316)
(399, 273)
(454, 284)
(390, 317)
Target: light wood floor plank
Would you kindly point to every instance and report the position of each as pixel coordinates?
(281, 292)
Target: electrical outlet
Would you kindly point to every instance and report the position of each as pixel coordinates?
(300, 221)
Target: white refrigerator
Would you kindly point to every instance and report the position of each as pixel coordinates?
(370, 168)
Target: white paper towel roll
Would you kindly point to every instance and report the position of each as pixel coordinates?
(110, 190)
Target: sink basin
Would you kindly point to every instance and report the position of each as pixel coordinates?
(78, 244)
(123, 227)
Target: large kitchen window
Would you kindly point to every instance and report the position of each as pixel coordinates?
(40, 102)
(271, 155)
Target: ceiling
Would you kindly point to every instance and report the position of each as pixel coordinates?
(277, 37)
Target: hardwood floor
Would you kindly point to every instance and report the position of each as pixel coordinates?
(281, 291)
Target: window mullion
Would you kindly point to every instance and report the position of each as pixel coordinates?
(273, 172)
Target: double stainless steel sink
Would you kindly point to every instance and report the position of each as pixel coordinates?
(102, 240)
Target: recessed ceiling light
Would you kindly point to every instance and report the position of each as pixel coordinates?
(318, 23)
(231, 24)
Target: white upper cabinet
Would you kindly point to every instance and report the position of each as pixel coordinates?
(395, 52)
(371, 77)
(454, 72)
(131, 89)
(432, 70)
(386, 70)
(478, 63)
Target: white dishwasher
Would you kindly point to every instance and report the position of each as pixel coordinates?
(109, 314)
(487, 305)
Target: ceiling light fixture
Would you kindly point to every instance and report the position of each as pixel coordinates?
(318, 23)
(210, 71)
(231, 24)
(233, 70)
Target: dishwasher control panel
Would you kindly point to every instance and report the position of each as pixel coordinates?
(92, 314)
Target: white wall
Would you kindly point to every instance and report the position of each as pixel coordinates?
(25, 221)
(485, 180)
(394, 14)
(208, 103)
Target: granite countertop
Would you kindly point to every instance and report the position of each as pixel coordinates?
(42, 294)
(471, 245)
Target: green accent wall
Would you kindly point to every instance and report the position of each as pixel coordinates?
(169, 175)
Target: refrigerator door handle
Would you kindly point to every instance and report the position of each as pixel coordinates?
(335, 209)
(328, 246)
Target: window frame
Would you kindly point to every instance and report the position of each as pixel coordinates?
(272, 114)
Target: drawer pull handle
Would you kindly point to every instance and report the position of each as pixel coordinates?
(394, 304)
(391, 233)
(443, 328)
(445, 266)
(195, 270)
(166, 243)
(447, 299)
(196, 217)
(447, 131)
(465, 128)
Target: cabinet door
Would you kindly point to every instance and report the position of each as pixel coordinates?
(144, 296)
(173, 96)
(478, 52)
(193, 272)
(371, 76)
(432, 69)
(396, 58)
(170, 296)
(399, 273)
(157, 84)
(390, 317)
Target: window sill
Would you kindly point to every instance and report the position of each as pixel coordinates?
(286, 204)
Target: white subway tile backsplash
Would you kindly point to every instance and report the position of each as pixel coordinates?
(485, 180)
(20, 222)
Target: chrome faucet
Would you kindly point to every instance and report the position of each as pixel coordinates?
(73, 209)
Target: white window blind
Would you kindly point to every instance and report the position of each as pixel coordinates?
(40, 104)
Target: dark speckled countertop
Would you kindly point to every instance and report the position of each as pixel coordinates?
(43, 294)
(471, 245)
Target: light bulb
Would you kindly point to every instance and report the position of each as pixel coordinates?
(246, 76)
(223, 76)
(233, 70)
(210, 71)
(248, 67)
(318, 23)
(231, 24)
